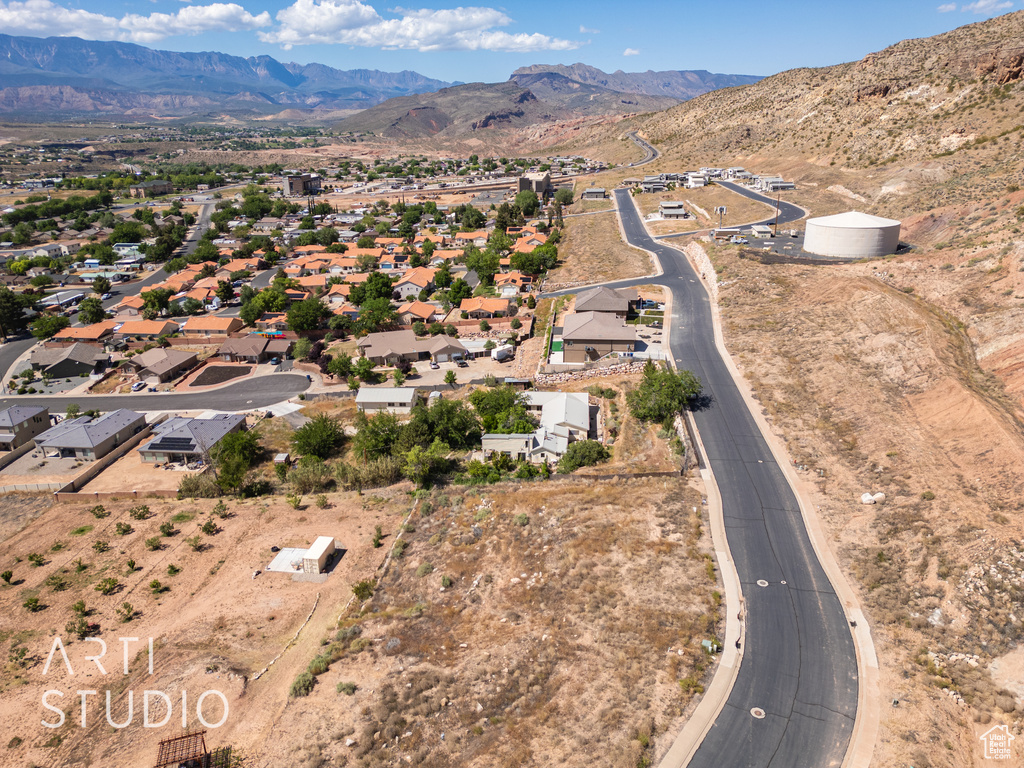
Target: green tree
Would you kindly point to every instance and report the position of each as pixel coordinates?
(100, 285)
(225, 291)
(340, 366)
(12, 311)
(528, 202)
(22, 233)
(364, 370)
(460, 290)
(157, 300)
(377, 435)
(91, 311)
(377, 286)
(449, 378)
(564, 196)
(422, 465)
(233, 456)
(308, 314)
(502, 410)
(662, 394)
(583, 453)
(375, 314)
(47, 326)
(321, 437)
(192, 306)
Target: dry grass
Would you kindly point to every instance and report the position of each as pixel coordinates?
(592, 250)
(550, 642)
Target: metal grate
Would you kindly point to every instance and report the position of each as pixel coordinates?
(182, 749)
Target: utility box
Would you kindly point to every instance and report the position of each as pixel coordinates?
(317, 556)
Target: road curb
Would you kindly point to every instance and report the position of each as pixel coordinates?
(866, 724)
(704, 716)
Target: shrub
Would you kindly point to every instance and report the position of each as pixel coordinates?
(302, 685)
(125, 612)
(446, 581)
(378, 537)
(108, 586)
(98, 511)
(363, 590)
(319, 665)
(123, 529)
(375, 473)
(156, 587)
(202, 486)
(311, 475)
(7, 576)
(173, 570)
(209, 527)
(36, 559)
(100, 546)
(78, 628)
(195, 543)
(583, 453)
(294, 501)
(140, 512)
(927, 496)
(130, 566)
(167, 529)
(521, 520)
(56, 582)
(154, 544)
(400, 546)
(79, 608)
(321, 502)
(32, 605)
(347, 688)
(425, 569)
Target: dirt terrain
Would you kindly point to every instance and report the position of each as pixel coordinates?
(875, 387)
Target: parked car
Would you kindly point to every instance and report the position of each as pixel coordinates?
(461, 363)
(275, 361)
(138, 385)
(104, 297)
(434, 365)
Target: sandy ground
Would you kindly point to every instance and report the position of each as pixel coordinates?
(131, 473)
(213, 628)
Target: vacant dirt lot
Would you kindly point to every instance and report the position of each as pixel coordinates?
(214, 625)
(592, 250)
(131, 473)
(875, 389)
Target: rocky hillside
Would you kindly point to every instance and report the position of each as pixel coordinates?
(586, 99)
(923, 123)
(673, 84)
(59, 77)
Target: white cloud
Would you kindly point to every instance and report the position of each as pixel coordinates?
(987, 6)
(352, 22)
(947, 7)
(631, 52)
(589, 31)
(44, 18)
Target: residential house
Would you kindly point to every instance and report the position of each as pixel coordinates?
(417, 311)
(481, 307)
(87, 438)
(183, 440)
(398, 400)
(131, 306)
(592, 335)
(95, 334)
(536, 447)
(594, 193)
(212, 327)
(516, 280)
(606, 300)
(477, 238)
(566, 413)
(253, 349)
(273, 321)
(673, 209)
(77, 359)
(390, 347)
(146, 329)
(414, 281)
(21, 423)
(162, 364)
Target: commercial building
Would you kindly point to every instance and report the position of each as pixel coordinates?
(153, 188)
(300, 184)
(535, 182)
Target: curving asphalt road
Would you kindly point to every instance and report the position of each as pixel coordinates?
(245, 395)
(799, 664)
(650, 153)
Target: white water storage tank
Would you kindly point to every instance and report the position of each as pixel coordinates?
(852, 235)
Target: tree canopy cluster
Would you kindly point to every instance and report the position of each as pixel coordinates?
(662, 394)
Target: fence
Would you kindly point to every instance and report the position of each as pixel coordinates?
(70, 491)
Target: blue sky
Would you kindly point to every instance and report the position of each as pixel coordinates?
(462, 41)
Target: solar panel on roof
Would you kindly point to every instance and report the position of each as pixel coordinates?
(172, 444)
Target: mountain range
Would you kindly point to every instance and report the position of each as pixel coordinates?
(59, 78)
(48, 78)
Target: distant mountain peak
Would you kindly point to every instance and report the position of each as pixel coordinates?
(674, 84)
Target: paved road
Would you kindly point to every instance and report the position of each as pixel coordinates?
(787, 211)
(650, 153)
(245, 395)
(799, 664)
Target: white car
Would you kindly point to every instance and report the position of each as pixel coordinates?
(138, 385)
